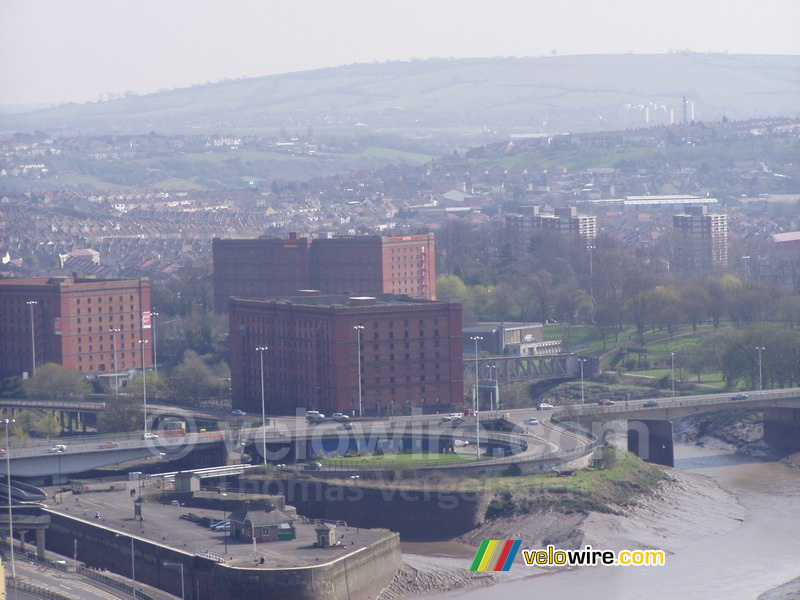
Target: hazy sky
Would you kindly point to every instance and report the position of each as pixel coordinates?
(77, 50)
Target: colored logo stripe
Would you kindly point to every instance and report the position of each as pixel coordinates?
(495, 555)
(487, 556)
(509, 556)
(479, 555)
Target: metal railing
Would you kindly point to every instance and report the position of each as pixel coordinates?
(36, 590)
(680, 402)
(113, 582)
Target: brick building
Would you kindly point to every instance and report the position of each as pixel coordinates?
(701, 239)
(364, 265)
(411, 354)
(72, 318)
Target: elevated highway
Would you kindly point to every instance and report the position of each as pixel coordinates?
(649, 421)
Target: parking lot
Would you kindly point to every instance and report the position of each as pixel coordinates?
(162, 523)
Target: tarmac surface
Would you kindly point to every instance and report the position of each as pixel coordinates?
(163, 524)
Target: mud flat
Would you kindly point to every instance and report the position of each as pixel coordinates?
(685, 508)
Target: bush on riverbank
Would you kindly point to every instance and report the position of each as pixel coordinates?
(623, 478)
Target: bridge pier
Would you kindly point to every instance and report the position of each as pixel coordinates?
(651, 440)
(782, 428)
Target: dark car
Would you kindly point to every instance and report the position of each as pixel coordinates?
(605, 402)
(739, 396)
(650, 404)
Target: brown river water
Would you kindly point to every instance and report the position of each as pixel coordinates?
(756, 555)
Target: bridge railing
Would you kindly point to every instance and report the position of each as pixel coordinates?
(680, 402)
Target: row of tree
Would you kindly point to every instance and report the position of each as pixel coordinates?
(618, 290)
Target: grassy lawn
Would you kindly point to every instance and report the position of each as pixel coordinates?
(397, 461)
(623, 477)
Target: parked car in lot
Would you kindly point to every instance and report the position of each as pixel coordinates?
(605, 402)
(739, 396)
(340, 417)
(236, 412)
(545, 406)
(650, 404)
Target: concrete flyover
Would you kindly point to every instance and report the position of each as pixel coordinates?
(76, 415)
(649, 421)
(399, 437)
(38, 458)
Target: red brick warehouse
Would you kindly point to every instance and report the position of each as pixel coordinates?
(411, 354)
(68, 321)
(362, 265)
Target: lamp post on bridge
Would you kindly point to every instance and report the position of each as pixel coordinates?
(582, 361)
(144, 386)
(153, 316)
(30, 303)
(672, 363)
(114, 331)
(359, 329)
(260, 350)
(10, 519)
(760, 378)
(476, 339)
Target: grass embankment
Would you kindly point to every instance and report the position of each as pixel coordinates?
(623, 479)
(410, 460)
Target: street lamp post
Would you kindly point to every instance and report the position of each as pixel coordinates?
(260, 350)
(225, 520)
(359, 329)
(30, 303)
(114, 331)
(582, 361)
(175, 564)
(493, 377)
(153, 316)
(760, 379)
(476, 339)
(144, 386)
(672, 366)
(10, 520)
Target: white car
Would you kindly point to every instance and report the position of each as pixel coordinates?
(238, 412)
(533, 421)
(340, 417)
(545, 406)
(58, 449)
(149, 436)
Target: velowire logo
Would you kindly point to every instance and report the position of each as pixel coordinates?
(495, 555)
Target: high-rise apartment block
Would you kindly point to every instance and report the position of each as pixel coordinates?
(409, 352)
(89, 326)
(701, 239)
(563, 220)
(363, 265)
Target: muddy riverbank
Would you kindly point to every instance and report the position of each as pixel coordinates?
(727, 522)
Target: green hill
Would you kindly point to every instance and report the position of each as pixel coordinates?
(576, 93)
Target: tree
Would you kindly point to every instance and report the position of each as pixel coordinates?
(193, 380)
(121, 415)
(450, 288)
(54, 382)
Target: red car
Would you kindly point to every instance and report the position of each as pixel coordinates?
(605, 402)
(108, 444)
